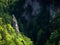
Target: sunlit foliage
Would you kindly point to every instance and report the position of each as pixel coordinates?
(8, 36)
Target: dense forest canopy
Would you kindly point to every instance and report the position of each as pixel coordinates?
(37, 19)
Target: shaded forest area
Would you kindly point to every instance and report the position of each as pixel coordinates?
(38, 20)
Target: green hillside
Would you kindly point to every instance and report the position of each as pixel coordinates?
(8, 35)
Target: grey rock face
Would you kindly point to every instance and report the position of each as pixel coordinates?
(15, 24)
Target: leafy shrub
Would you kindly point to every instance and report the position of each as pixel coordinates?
(8, 36)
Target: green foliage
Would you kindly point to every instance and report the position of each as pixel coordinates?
(54, 36)
(5, 5)
(8, 36)
(7, 18)
(49, 43)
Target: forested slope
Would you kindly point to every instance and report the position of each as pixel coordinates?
(8, 35)
(37, 19)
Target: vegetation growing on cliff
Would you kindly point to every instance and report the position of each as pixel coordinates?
(8, 35)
